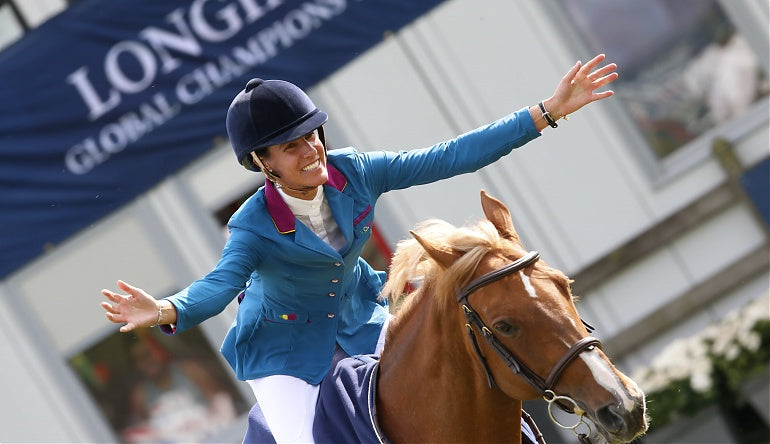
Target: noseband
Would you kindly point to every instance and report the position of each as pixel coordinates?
(544, 386)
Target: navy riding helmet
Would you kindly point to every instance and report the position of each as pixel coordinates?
(270, 112)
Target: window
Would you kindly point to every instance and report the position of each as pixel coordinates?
(152, 388)
(693, 70)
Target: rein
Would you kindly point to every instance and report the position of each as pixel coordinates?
(543, 386)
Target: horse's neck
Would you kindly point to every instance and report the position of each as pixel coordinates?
(431, 389)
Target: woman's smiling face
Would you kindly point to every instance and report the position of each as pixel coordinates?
(299, 164)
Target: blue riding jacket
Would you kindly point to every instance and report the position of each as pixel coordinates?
(300, 295)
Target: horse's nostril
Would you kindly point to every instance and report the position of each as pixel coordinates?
(610, 418)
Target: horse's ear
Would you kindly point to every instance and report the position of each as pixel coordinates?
(499, 215)
(444, 256)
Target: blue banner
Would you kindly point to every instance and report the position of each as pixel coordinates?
(103, 101)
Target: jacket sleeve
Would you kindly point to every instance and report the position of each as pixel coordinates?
(464, 154)
(210, 295)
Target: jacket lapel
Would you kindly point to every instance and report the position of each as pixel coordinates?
(340, 204)
(342, 210)
(283, 218)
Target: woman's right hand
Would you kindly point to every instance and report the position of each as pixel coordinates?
(578, 87)
(134, 309)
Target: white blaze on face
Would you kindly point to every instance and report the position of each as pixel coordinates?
(606, 377)
(528, 285)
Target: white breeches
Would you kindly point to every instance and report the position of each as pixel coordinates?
(288, 403)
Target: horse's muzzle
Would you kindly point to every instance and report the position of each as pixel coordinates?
(619, 424)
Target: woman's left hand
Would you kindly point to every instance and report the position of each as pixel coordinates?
(578, 87)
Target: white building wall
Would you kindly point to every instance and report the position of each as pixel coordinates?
(31, 394)
(576, 194)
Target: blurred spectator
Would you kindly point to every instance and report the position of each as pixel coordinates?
(173, 400)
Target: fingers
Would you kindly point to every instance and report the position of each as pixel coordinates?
(110, 308)
(601, 77)
(605, 80)
(112, 296)
(577, 87)
(128, 288)
(572, 72)
(587, 71)
(591, 64)
(601, 95)
(604, 70)
(117, 318)
(112, 311)
(132, 308)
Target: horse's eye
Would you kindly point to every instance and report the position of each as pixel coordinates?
(505, 328)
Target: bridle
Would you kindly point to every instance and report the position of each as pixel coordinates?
(544, 386)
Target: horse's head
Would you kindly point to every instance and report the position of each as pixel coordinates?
(525, 323)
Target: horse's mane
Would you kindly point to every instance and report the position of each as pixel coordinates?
(412, 266)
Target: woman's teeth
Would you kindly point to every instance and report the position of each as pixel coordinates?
(312, 166)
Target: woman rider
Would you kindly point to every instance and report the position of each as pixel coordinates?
(293, 254)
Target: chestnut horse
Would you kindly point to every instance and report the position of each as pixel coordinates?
(458, 372)
(489, 325)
